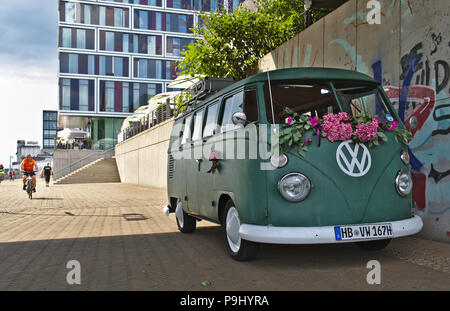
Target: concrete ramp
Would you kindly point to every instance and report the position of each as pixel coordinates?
(103, 170)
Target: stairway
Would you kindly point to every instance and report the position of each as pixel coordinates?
(103, 170)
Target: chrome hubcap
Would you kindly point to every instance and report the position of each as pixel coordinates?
(179, 214)
(232, 229)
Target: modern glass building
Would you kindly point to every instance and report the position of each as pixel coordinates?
(49, 125)
(116, 54)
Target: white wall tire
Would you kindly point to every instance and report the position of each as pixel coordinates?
(185, 222)
(238, 248)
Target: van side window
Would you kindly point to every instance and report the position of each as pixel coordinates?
(198, 125)
(211, 120)
(251, 105)
(233, 104)
(187, 130)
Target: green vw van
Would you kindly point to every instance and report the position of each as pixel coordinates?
(292, 156)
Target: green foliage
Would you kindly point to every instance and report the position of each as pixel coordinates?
(402, 136)
(293, 134)
(181, 99)
(232, 44)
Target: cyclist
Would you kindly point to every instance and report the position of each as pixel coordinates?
(27, 168)
(2, 172)
(47, 172)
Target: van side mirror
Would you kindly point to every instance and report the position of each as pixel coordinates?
(239, 118)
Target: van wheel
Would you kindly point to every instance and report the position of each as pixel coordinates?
(239, 249)
(185, 222)
(373, 245)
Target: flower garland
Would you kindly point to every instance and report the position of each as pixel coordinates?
(338, 127)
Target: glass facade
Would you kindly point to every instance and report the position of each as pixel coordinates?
(114, 55)
(49, 119)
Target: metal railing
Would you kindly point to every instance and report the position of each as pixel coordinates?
(83, 162)
(162, 113)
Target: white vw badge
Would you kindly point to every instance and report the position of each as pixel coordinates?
(348, 161)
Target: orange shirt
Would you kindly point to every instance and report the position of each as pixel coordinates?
(28, 166)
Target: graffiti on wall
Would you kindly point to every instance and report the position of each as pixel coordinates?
(414, 68)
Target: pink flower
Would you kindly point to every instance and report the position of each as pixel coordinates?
(334, 129)
(289, 121)
(392, 125)
(309, 141)
(314, 121)
(367, 132)
(214, 155)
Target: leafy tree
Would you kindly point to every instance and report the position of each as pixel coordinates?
(231, 44)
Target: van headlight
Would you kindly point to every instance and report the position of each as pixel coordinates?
(294, 187)
(403, 183)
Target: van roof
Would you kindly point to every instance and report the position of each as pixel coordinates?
(316, 73)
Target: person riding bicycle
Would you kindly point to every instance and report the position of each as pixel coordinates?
(27, 168)
(2, 172)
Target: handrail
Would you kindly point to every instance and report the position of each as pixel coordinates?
(82, 162)
(154, 117)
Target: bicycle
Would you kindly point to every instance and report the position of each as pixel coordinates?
(29, 186)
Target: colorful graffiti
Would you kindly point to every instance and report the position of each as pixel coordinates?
(409, 54)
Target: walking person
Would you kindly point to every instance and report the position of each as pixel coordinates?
(10, 175)
(48, 171)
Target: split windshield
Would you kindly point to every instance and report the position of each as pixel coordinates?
(315, 98)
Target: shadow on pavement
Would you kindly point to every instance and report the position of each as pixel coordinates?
(176, 261)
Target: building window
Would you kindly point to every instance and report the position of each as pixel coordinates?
(141, 2)
(76, 95)
(152, 20)
(70, 12)
(66, 34)
(84, 95)
(77, 38)
(65, 94)
(175, 45)
(154, 69)
(93, 64)
(126, 97)
(133, 43)
(94, 15)
(198, 5)
(109, 96)
(117, 96)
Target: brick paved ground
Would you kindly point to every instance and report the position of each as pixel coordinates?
(94, 224)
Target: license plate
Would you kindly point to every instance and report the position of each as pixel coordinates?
(361, 232)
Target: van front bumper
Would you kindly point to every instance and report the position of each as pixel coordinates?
(319, 235)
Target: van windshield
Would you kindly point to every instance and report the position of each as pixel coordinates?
(315, 98)
(357, 99)
(304, 97)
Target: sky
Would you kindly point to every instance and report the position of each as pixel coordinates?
(28, 70)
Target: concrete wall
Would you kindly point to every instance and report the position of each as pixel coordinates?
(409, 52)
(142, 159)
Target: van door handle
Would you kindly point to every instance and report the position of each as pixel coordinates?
(199, 161)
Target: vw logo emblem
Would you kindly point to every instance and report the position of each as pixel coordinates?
(354, 161)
